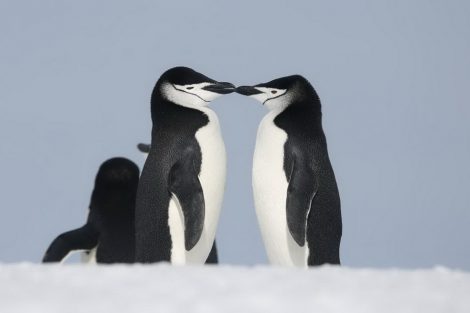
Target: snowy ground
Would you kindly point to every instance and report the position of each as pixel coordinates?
(225, 289)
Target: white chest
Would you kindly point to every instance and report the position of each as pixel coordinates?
(268, 162)
(270, 193)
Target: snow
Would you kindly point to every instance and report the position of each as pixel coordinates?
(206, 289)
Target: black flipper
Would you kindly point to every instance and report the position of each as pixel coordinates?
(144, 148)
(185, 185)
(84, 238)
(300, 193)
(213, 257)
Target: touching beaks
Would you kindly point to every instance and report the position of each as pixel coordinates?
(247, 90)
(220, 88)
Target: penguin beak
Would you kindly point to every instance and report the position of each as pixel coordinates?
(247, 90)
(220, 88)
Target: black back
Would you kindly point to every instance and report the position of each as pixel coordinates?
(173, 133)
(306, 144)
(112, 210)
(110, 224)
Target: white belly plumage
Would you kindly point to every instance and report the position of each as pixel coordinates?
(86, 256)
(270, 193)
(89, 257)
(212, 178)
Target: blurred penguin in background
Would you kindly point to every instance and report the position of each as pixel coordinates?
(109, 233)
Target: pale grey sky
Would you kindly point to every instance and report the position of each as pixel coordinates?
(393, 77)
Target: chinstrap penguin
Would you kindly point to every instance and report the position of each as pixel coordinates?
(296, 197)
(109, 234)
(183, 180)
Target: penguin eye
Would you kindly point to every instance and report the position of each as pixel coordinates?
(189, 88)
(274, 92)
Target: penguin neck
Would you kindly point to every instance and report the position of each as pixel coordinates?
(302, 106)
(302, 114)
(275, 112)
(309, 107)
(171, 118)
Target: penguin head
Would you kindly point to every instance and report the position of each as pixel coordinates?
(186, 87)
(279, 93)
(115, 185)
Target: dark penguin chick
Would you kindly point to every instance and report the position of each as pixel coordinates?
(296, 196)
(183, 180)
(213, 255)
(110, 224)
